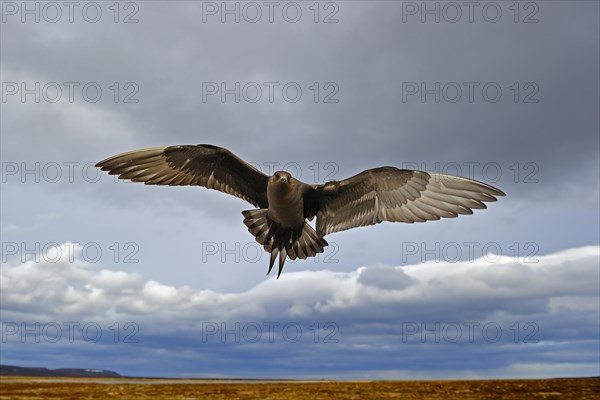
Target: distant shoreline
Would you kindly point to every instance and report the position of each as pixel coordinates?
(12, 373)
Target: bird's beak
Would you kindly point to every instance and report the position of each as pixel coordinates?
(283, 179)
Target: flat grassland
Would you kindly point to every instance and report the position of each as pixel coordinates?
(85, 388)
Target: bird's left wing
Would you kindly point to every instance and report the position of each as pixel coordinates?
(202, 165)
(396, 195)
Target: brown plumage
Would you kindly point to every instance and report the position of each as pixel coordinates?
(284, 203)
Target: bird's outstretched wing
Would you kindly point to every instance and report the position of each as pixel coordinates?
(396, 195)
(202, 165)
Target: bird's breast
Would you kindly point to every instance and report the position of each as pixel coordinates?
(287, 209)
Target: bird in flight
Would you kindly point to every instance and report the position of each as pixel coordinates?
(284, 204)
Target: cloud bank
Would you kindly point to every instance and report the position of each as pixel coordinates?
(433, 319)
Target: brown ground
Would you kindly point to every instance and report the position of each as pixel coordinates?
(580, 388)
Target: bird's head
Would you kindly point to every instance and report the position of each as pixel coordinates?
(282, 180)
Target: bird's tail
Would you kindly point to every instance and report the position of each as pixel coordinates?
(277, 240)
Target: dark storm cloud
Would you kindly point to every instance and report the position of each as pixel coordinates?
(371, 54)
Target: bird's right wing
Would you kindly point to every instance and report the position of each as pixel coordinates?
(202, 165)
(395, 195)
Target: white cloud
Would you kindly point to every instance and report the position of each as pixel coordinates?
(77, 288)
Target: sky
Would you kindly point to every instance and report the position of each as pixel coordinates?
(167, 281)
